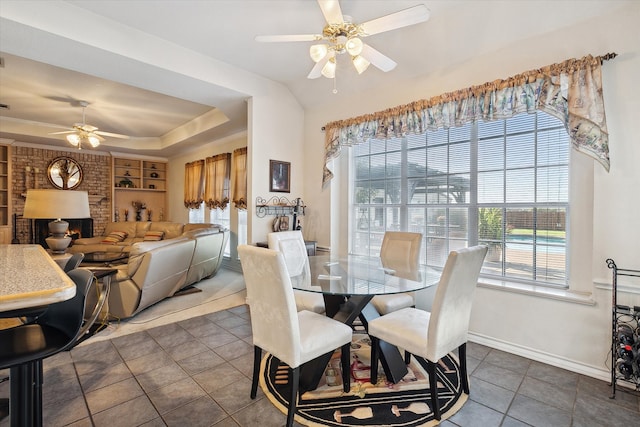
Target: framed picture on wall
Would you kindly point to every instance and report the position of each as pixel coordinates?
(279, 176)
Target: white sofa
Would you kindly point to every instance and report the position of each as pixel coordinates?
(158, 269)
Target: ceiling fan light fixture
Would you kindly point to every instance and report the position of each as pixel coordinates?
(354, 46)
(360, 63)
(329, 69)
(318, 51)
(74, 139)
(93, 141)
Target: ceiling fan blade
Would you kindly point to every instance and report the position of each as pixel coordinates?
(316, 71)
(331, 11)
(110, 135)
(95, 134)
(403, 18)
(289, 38)
(85, 127)
(378, 59)
(62, 132)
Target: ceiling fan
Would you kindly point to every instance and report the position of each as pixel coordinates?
(84, 133)
(341, 35)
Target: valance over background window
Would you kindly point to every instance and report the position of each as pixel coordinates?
(570, 91)
(193, 184)
(217, 180)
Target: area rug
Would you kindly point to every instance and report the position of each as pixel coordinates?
(405, 404)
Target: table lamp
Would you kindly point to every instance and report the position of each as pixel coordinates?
(57, 204)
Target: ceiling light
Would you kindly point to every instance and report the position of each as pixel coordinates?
(360, 63)
(318, 51)
(329, 69)
(354, 46)
(93, 141)
(74, 139)
(77, 139)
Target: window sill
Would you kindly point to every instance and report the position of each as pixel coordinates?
(565, 295)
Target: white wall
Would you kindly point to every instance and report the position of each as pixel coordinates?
(275, 133)
(556, 331)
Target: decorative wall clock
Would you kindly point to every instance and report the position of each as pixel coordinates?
(64, 173)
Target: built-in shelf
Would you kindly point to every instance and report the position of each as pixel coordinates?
(139, 179)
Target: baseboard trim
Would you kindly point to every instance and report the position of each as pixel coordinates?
(550, 359)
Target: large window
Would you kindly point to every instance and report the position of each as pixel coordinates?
(502, 183)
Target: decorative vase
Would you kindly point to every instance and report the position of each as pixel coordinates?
(138, 215)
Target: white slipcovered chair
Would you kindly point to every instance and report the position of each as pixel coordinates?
(400, 252)
(292, 246)
(291, 336)
(432, 335)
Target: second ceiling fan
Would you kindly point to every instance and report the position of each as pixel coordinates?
(341, 35)
(81, 133)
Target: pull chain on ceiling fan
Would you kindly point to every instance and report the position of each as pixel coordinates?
(83, 133)
(341, 35)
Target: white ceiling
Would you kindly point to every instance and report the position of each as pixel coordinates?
(182, 112)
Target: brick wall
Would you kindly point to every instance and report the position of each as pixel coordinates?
(96, 181)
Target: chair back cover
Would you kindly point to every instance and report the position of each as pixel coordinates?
(451, 310)
(292, 246)
(68, 315)
(73, 262)
(274, 318)
(401, 250)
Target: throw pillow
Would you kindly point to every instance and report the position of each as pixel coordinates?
(151, 236)
(115, 237)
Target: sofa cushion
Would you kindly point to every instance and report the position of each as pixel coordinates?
(141, 228)
(151, 236)
(137, 251)
(171, 229)
(115, 237)
(127, 226)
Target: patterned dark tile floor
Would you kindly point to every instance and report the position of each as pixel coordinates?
(197, 373)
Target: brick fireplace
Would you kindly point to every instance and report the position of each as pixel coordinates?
(29, 171)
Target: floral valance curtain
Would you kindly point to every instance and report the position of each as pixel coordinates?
(240, 178)
(193, 184)
(216, 182)
(570, 91)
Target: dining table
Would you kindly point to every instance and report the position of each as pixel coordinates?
(348, 283)
(29, 278)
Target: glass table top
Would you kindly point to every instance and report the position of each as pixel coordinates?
(360, 275)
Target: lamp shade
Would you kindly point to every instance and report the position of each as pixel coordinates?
(49, 204)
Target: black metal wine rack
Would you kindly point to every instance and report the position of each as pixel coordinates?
(625, 342)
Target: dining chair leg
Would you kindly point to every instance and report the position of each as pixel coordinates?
(293, 397)
(375, 355)
(433, 388)
(257, 356)
(462, 355)
(345, 358)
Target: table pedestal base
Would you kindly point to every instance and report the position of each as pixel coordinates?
(347, 310)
